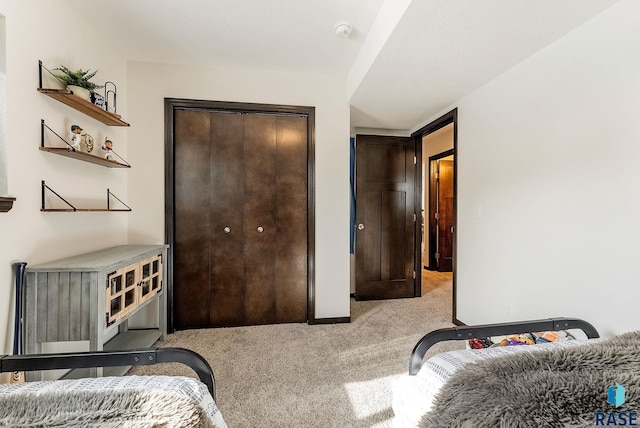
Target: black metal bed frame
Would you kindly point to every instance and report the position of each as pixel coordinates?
(486, 330)
(135, 357)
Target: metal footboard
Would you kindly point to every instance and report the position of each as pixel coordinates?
(136, 357)
(471, 332)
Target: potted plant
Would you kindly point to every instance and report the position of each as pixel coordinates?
(79, 81)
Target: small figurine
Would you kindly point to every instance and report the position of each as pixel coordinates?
(108, 147)
(81, 141)
(76, 136)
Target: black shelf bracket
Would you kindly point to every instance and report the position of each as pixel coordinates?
(43, 126)
(44, 188)
(109, 196)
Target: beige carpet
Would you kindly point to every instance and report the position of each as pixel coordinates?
(297, 375)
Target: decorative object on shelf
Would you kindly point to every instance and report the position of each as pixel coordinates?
(108, 91)
(79, 81)
(76, 136)
(81, 140)
(108, 147)
(97, 100)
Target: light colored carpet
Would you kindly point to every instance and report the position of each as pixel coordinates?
(297, 375)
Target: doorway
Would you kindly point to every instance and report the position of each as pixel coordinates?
(439, 240)
(438, 235)
(238, 213)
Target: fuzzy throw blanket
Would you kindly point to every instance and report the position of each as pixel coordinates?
(109, 402)
(561, 387)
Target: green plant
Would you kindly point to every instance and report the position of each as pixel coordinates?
(78, 78)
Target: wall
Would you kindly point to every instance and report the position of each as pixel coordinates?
(51, 32)
(149, 84)
(3, 109)
(549, 182)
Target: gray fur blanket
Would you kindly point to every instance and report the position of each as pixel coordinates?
(561, 387)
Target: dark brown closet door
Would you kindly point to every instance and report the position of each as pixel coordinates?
(226, 262)
(291, 218)
(259, 217)
(240, 219)
(192, 277)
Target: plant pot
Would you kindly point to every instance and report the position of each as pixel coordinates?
(80, 92)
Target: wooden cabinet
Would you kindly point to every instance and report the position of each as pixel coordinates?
(91, 297)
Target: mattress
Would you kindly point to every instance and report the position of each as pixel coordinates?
(413, 396)
(128, 401)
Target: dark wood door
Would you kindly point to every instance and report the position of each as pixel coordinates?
(385, 217)
(240, 253)
(445, 215)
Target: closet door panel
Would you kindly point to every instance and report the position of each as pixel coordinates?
(192, 294)
(259, 218)
(291, 217)
(227, 215)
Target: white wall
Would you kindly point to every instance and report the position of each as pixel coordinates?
(149, 84)
(51, 32)
(549, 157)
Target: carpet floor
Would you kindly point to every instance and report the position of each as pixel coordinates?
(297, 375)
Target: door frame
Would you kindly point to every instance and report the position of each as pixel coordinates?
(448, 118)
(173, 104)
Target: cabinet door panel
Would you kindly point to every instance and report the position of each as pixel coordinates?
(260, 205)
(227, 226)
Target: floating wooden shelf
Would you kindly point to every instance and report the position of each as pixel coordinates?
(70, 152)
(72, 208)
(67, 97)
(63, 151)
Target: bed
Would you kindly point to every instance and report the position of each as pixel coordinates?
(125, 401)
(475, 387)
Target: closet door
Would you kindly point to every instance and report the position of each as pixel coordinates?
(259, 216)
(227, 169)
(240, 219)
(291, 219)
(192, 225)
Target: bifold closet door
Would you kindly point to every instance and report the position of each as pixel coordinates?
(192, 224)
(240, 254)
(275, 215)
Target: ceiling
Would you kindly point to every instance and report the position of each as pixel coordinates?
(439, 50)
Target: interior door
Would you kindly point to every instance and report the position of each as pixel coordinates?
(445, 215)
(385, 217)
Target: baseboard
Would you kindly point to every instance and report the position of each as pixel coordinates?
(352, 295)
(339, 320)
(457, 322)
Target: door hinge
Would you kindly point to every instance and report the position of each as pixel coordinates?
(415, 217)
(437, 256)
(414, 274)
(415, 160)
(452, 230)
(437, 216)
